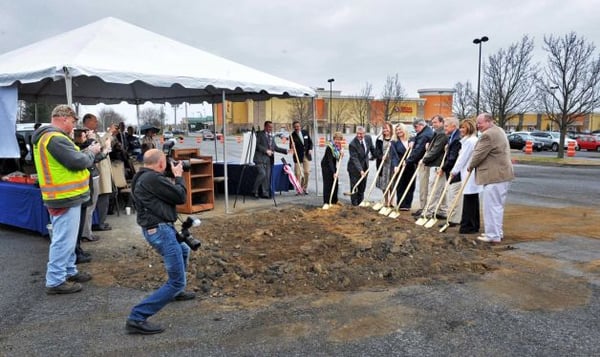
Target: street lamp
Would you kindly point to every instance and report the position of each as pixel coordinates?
(330, 81)
(479, 41)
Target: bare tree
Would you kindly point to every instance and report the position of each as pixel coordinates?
(463, 106)
(569, 86)
(360, 105)
(392, 96)
(301, 110)
(108, 117)
(153, 116)
(339, 112)
(507, 88)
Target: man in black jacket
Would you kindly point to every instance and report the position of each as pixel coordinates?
(155, 198)
(264, 159)
(419, 147)
(301, 142)
(454, 145)
(361, 149)
(432, 161)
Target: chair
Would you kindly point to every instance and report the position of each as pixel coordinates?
(120, 184)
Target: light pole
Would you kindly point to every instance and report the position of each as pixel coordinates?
(330, 81)
(479, 41)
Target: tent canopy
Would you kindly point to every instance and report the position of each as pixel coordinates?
(110, 61)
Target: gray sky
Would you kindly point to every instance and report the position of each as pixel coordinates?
(428, 43)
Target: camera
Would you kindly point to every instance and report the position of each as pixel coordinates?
(185, 236)
(168, 150)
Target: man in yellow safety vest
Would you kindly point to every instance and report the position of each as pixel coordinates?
(64, 181)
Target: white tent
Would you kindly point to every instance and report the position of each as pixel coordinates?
(110, 61)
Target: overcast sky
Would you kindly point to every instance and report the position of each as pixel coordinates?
(428, 43)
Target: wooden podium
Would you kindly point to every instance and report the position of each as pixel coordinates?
(198, 181)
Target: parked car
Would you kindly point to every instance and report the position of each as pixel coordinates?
(206, 134)
(518, 141)
(589, 142)
(168, 135)
(551, 139)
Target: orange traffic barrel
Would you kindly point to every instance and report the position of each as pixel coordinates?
(238, 139)
(528, 147)
(221, 138)
(571, 149)
(321, 141)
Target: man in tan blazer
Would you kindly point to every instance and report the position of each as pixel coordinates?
(494, 170)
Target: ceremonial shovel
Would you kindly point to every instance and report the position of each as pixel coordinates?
(455, 203)
(433, 220)
(335, 179)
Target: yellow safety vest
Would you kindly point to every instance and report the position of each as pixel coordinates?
(56, 181)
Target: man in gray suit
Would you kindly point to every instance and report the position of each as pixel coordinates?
(358, 164)
(264, 159)
(493, 169)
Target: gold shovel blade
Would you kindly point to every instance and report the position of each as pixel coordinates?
(377, 206)
(394, 214)
(421, 221)
(364, 204)
(325, 206)
(430, 223)
(385, 211)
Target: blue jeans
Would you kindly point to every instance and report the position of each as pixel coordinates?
(175, 257)
(61, 256)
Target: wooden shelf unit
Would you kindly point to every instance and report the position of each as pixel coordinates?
(198, 181)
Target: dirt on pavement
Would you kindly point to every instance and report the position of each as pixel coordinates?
(300, 250)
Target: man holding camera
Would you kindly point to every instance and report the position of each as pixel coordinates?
(155, 197)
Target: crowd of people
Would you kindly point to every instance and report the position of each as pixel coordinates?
(452, 163)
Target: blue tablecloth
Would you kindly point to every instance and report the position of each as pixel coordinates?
(21, 206)
(279, 182)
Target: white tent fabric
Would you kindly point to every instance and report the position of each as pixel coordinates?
(8, 118)
(111, 61)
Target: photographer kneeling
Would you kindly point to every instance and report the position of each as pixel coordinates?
(155, 197)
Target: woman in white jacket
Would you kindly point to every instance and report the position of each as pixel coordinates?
(469, 223)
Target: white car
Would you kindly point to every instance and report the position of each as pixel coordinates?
(556, 141)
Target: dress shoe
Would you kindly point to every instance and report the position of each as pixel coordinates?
(468, 232)
(142, 327)
(404, 209)
(91, 238)
(103, 227)
(185, 295)
(66, 287)
(265, 196)
(449, 224)
(417, 212)
(440, 216)
(80, 277)
(485, 238)
(82, 259)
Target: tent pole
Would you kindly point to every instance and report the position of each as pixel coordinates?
(69, 86)
(137, 115)
(223, 115)
(315, 145)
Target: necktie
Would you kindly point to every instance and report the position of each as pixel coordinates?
(300, 136)
(362, 142)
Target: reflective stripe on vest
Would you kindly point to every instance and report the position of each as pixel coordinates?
(56, 181)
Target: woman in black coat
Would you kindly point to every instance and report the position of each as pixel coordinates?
(329, 164)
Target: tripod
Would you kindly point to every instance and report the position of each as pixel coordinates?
(245, 164)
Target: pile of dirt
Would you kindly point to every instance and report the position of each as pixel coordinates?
(302, 250)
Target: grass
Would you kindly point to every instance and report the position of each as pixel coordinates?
(545, 160)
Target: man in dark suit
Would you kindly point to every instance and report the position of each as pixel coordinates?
(419, 147)
(264, 159)
(358, 164)
(302, 144)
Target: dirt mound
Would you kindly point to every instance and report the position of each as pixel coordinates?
(303, 250)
